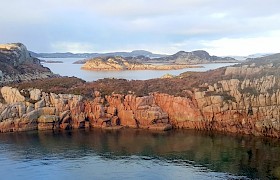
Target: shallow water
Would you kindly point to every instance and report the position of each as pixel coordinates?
(137, 154)
(67, 68)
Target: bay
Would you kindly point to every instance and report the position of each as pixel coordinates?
(67, 68)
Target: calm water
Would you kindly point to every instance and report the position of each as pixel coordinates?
(69, 69)
(134, 154)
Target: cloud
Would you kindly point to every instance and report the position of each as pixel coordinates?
(158, 25)
(75, 47)
(244, 46)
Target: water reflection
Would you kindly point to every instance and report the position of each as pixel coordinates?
(214, 155)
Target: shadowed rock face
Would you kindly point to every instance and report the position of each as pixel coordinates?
(16, 64)
(14, 54)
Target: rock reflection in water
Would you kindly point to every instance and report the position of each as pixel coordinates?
(248, 156)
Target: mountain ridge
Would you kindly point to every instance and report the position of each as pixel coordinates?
(133, 53)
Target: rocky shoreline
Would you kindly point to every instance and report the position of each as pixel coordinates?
(243, 98)
(226, 106)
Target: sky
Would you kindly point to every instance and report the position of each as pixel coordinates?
(221, 27)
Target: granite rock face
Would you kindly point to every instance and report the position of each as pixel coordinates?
(248, 106)
(128, 111)
(16, 64)
(244, 99)
(40, 110)
(46, 111)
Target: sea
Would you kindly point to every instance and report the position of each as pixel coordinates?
(67, 68)
(135, 154)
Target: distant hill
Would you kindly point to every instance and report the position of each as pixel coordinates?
(274, 59)
(181, 57)
(257, 55)
(195, 57)
(93, 55)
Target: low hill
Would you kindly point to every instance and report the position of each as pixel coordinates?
(181, 57)
(195, 57)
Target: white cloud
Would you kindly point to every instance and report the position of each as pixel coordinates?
(244, 46)
(74, 47)
(157, 25)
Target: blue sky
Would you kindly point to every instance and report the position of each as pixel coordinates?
(222, 27)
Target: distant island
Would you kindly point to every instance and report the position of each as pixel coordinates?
(194, 57)
(179, 60)
(92, 55)
(121, 63)
(50, 61)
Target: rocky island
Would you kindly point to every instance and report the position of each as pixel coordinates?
(180, 58)
(243, 98)
(121, 63)
(194, 57)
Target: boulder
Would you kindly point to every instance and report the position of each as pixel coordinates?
(48, 119)
(35, 94)
(40, 104)
(11, 95)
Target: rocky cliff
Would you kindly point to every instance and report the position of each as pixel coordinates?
(32, 109)
(244, 98)
(16, 64)
(237, 106)
(120, 63)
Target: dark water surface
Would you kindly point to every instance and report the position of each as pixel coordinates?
(137, 154)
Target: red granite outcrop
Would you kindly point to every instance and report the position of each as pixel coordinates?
(248, 105)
